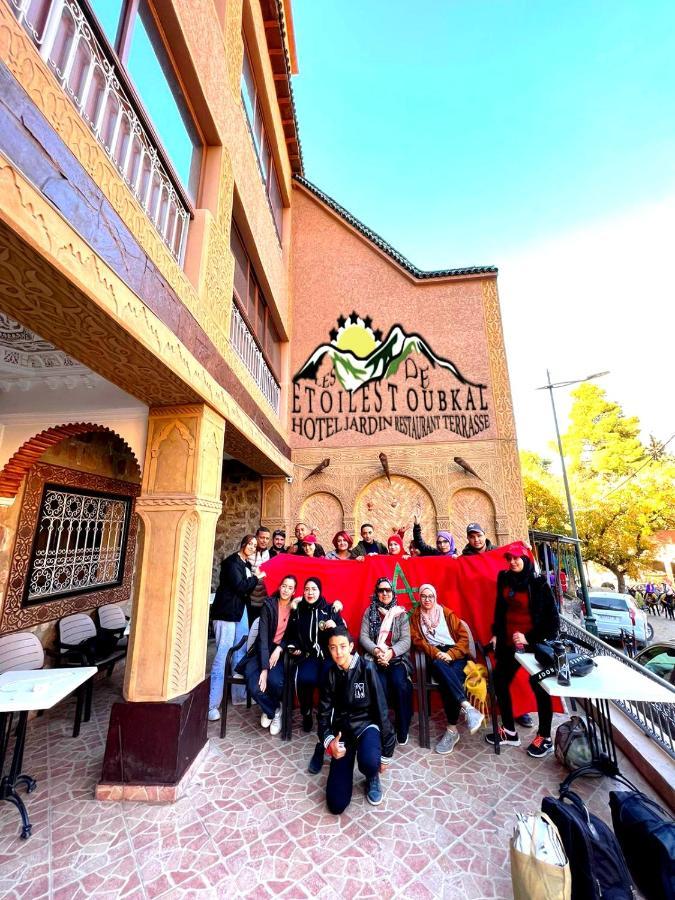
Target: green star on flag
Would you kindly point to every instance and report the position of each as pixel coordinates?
(399, 575)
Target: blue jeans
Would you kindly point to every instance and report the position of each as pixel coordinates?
(270, 700)
(309, 675)
(227, 635)
(450, 677)
(367, 751)
(397, 688)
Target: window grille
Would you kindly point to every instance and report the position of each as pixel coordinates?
(79, 543)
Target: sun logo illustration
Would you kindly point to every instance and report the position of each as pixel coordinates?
(359, 354)
(356, 335)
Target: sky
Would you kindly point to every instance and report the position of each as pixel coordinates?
(535, 136)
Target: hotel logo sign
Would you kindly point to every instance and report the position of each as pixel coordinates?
(361, 382)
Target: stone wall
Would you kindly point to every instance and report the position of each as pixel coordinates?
(242, 497)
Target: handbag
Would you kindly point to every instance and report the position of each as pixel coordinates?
(540, 869)
(646, 833)
(554, 656)
(572, 746)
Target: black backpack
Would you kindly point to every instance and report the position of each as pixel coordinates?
(646, 833)
(599, 871)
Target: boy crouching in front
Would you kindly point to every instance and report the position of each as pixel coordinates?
(353, 723)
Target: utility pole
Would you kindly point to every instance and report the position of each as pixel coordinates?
(590, 623)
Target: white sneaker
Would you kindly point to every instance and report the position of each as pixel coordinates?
(265, 721)
(214, 715)
(473, 719)
(275, 726)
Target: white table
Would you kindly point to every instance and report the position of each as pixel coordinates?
(23, 692)
(609, 680)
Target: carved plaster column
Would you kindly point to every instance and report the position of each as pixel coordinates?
(179, 506)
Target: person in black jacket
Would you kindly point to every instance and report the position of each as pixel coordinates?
(477, 541)
(307, 641)
(445, 543)
(525, 615)
(238, 577)
(354, 723)
(261, 666)
(368, 546)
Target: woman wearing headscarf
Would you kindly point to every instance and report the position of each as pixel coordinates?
(525, 615)
(443, 638)
(342, 542)
(445, 543)
(395, 546)
(309, 628)
(261, 666)
(385, 639)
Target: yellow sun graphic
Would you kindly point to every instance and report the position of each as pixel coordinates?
(355, 334)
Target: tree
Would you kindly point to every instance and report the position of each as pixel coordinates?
(600, 442)
(543, 495)
(622, 489)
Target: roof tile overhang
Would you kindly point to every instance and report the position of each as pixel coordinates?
(385, 247)
(277, 46)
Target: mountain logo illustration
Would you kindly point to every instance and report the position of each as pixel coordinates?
(360, 355)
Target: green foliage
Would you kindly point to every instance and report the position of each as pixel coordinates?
(623, 492)
(600, 440)
(544, 503)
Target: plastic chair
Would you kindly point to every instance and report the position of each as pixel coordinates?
(112, 623)
(424, 684)
(22, 651)
(79, 644)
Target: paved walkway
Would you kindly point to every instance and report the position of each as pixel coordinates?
(256, 826)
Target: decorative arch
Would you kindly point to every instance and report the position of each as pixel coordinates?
(17, 467)
(393, 506)
(470, 504)
(323, 512)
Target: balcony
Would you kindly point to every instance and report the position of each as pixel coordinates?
(67, 42)
(251, 355)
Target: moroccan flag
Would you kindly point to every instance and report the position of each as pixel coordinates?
(467, 585)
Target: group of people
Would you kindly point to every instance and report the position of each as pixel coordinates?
(357, 690)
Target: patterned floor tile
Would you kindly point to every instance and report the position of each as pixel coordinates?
(255, 823)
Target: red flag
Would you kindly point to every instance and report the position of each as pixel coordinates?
(467, 585)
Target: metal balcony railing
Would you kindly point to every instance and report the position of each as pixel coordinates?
(657, 720)
(251, 355)
(65, 40)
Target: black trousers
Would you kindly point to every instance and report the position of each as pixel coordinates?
(505, 672)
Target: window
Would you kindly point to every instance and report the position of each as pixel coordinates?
(131, 30)
(254, 114)
(252, 305)
(79, 543)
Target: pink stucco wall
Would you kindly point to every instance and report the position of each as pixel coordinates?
(336, 271)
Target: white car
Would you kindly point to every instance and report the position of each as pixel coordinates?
(615, 613)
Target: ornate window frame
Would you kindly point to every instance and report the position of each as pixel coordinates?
(15, 615)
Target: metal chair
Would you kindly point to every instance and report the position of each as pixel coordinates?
(232, 677)
(424, 684)
(22, 651)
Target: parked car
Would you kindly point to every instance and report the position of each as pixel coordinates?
(615, 613)
(659, 659)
